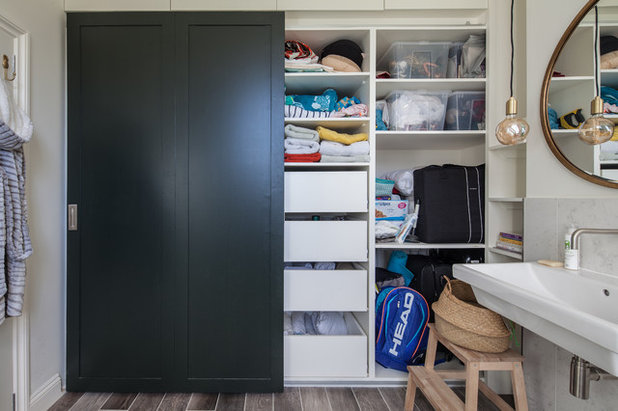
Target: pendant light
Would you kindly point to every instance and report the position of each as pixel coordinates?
(597, 129)
(513, 129)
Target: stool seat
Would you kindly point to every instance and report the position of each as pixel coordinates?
(431, 382)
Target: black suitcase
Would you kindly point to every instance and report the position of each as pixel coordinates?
(428, 277)
(451, 204)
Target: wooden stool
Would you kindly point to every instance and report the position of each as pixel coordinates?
(431, 382)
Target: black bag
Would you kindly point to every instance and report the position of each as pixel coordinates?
(428, 278)
(451, 204)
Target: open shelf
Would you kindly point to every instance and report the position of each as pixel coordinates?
(506, 199)
(342, 123)
(324, 165)
(562, 83)
(446, 139)
(310, 83)
(609, 78)
(385, 86)
(410, 246)
(564, 133)
(511, 254)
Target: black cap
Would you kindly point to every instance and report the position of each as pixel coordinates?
(345, 48)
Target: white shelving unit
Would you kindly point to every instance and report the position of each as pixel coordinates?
(390, 150)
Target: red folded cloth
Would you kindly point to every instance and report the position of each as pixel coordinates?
(302, 158)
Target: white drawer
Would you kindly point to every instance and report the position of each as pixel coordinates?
(325, 290)
(327, 355)
(325, 191)
(325, 241)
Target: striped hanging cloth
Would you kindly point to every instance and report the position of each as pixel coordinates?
(15, 245)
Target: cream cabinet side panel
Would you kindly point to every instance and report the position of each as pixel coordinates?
(345, 5)
(237, 5)
(435, 4)
(117, 5)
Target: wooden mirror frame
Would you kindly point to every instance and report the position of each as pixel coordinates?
(545, 101)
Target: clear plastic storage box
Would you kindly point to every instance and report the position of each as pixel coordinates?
(416, 59)
(465, 111)
(417, 110)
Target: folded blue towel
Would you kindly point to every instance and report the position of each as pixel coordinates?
(397, 264)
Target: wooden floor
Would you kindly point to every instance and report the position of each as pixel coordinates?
(291, 399)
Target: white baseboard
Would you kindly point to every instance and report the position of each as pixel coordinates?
(45, 396)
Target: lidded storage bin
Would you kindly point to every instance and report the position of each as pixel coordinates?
(416, 59)
(417, 110)
(465, 111)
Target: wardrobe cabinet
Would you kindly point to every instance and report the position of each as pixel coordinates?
(436, 4)
(117, 5)
(343, 5)
(175, 277)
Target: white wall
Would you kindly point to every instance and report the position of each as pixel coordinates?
(545, 176)
(45, 159)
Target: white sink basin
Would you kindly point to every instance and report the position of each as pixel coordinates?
(577, 310)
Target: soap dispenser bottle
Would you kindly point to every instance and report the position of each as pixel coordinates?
(571, 257)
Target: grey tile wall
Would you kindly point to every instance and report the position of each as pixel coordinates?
(546, 220)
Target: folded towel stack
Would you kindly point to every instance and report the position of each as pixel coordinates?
(301, 145)
(343, 148)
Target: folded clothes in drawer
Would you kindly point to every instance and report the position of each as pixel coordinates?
(325, 241)
(315, 192)
(327, 355)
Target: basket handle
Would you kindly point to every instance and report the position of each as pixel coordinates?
(448, 284)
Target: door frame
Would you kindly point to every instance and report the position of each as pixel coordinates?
(21, 331)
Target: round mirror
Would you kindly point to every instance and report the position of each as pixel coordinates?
(569, 87)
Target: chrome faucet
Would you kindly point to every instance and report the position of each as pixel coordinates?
(571, 258)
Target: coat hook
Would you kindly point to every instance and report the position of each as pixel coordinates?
(5, 67)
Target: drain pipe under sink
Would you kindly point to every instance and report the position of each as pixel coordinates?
(582, 372)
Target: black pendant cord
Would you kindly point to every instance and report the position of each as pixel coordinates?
(596, 51)
(512, 44)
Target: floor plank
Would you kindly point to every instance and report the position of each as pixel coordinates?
(421, 403)
(66, 401)
(90, 401)
(201, 402)
(395, 397)
(231, 402)
(175, 401)
(342, 399)
(119, 401)
(314, 399)
(146, 401)
(288, 400)
(259, 402)
(369, 399)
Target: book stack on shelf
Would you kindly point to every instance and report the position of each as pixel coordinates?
(510, 242)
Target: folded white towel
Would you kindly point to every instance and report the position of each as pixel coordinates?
(292, 131)
(300, 146)
(332, 148)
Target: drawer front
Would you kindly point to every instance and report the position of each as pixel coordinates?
(325, 290)
(327, 355)
(325, 241)
(326, 191)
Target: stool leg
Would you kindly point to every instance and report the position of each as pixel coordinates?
(472, 386)
(519, 387)
(432, 346)
(410, 393)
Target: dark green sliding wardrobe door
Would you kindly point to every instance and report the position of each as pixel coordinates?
(175, 153)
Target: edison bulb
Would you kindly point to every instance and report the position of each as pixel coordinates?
(597, 129)
(513, 129)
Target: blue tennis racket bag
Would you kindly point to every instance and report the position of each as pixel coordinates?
(401, 327)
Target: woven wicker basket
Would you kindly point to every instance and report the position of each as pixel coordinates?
(462, 321)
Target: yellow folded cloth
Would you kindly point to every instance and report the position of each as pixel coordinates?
(331, 135)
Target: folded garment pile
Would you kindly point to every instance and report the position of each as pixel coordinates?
(338, 147)
(341, 55)
(314, 323)
(301, 145)
(323, 105)
(310, 266)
